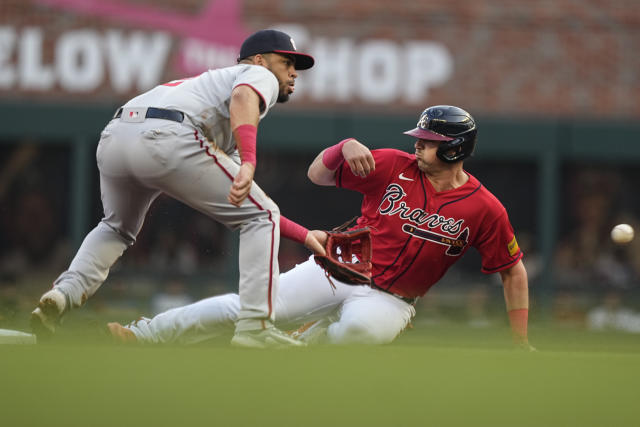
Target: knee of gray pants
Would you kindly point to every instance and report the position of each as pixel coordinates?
(270, 206)
(267, 212)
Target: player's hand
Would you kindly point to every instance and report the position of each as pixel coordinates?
(315, 241)
(241, 184)
(358, 157)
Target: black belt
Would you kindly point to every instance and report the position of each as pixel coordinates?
(158, 113)
(411, 301)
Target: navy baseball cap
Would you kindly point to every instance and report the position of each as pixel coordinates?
(268, 41)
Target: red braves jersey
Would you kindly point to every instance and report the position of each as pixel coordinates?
(418, 233)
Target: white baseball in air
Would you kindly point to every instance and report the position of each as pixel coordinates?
(622, 233)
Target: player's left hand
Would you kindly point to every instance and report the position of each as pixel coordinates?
(315, 242)
(241, 184)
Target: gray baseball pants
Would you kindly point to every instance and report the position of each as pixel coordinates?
(138, 162)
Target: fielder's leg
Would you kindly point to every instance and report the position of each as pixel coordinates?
(258, 252)
(203, 181)
(125, 202)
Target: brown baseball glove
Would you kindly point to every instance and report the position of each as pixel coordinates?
(340, 262)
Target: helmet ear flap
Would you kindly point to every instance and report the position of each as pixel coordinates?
(462, 147)
(450, 151)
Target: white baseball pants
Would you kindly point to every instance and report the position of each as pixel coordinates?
(138, 162)
(364, 315)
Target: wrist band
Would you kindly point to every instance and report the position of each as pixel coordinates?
(245, 136)
(332, 156)
(292, 230)
(518, 319)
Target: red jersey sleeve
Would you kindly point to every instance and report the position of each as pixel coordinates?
(497, 244)
(371, 184)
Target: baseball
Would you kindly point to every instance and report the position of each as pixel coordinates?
(622, 233)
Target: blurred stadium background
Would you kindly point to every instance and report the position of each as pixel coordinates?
(554, 85)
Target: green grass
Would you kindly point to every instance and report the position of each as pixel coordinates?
(448, 375)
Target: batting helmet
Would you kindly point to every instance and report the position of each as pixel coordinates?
(451, 125)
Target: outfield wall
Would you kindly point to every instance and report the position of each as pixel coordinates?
(541, 150)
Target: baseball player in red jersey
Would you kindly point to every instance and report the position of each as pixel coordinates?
(194, 140)
(425, 211)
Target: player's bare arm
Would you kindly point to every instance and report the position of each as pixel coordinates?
(516, 296)
(359, 158)
(516, 288)
(244, 109)
(319, 174)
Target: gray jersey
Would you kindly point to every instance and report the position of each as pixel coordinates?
(141, 158)
(205, 99)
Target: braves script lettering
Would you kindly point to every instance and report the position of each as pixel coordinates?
(391, 204)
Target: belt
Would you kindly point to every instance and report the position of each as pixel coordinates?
(410, 301)
(157, 113)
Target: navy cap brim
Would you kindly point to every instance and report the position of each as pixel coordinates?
(427, 134)
(303, 61)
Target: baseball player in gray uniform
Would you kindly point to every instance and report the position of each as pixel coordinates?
(194, 140)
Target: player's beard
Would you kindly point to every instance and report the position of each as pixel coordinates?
(425, 166)
(283, 96)
(422, 165)
(283, 92)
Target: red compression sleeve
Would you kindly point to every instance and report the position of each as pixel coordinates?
(245, 136)
(292, 230)
(518, 319)
(332, 156)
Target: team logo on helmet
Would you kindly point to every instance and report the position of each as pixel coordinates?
(423, 123)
